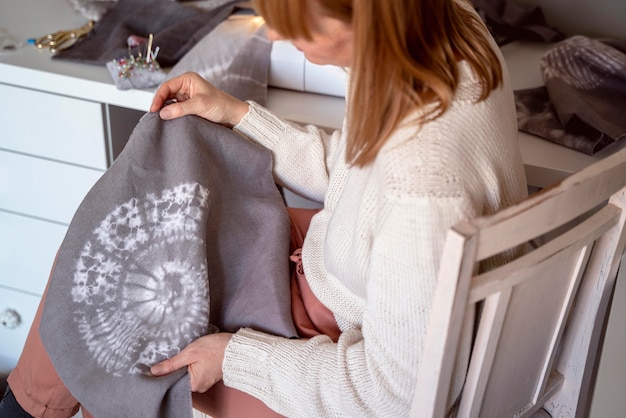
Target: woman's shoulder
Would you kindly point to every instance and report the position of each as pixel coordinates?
(420, 162)
(466, 126)
(462, 145)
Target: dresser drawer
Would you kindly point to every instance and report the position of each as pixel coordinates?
(42, 188)
(27, 250)
(51, 126)
(17, 311)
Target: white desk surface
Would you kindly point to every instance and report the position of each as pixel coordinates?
(32, 68)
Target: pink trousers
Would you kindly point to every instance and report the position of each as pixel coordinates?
(40, 391)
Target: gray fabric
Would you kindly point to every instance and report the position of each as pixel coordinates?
(95, 9)
(235, 57)
(176, 28)
(509, 21)
(582, 103)
(187, 227)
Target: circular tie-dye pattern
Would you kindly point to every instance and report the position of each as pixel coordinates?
(140, 285)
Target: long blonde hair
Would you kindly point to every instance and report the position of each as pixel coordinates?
(406, 55)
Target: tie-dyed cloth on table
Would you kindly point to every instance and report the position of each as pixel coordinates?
(582, 103)
(508, 21)
(186, 229)
(95, 9)
(176, 28)
(234, 57)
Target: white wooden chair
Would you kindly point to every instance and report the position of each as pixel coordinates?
(540, 332)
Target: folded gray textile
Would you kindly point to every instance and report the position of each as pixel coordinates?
(185, 229)
(510, 21)
(176, 28)
(582, 103)
(95, 9)
(235, 57)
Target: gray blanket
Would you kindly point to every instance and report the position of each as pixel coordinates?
(185, 231)
(508, 21)
(95, 9)
(582, 103)
(176, 27)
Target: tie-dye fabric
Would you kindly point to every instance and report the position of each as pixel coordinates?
(582, 103)
(176, 27)
(184, 233)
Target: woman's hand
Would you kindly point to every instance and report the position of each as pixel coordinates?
(203, 359)
(190, 94)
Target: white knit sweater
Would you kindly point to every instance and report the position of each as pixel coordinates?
(372, 254)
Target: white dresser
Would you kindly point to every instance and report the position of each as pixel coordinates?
(52, 150)
(56, 140)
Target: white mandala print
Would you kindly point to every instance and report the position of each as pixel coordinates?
(140, 284)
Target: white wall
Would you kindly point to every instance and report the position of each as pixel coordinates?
(584, 17)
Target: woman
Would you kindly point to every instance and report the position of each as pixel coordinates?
(430, 138)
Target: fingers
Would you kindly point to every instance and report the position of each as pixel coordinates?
(162, 95)
(203, 359)
(157, 101)
(187, 94)
(190, 94)
(170, 365)
(172, 111)
(178, 88)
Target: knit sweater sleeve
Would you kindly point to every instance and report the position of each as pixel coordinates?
(301, 153)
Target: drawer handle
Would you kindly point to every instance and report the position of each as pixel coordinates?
(10, 318)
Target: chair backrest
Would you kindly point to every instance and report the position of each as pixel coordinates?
(541, 316)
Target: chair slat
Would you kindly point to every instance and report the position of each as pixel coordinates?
(511, 273)
(540, 326)
(553, 207)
